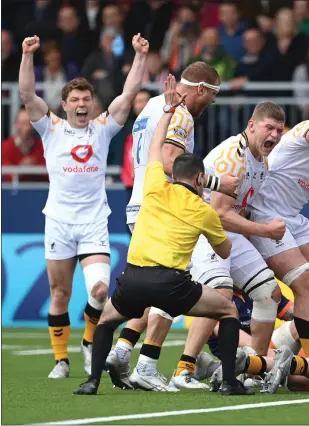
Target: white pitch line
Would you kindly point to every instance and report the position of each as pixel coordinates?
(72, 349)
(173, 413)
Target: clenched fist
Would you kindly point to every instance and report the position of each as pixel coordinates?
(31, 44)
(140, 44)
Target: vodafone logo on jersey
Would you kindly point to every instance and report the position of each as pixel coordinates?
(82, 153)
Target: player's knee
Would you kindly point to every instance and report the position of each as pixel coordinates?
(266, 294)
(298, 278)
(60, 296)
(97, 278)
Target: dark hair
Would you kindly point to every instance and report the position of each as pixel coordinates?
(150, 93)
(78, 83)
(187, 166)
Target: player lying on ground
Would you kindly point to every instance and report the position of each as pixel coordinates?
(77, 210)
(284, 193)
(244, 155)
(201, 83)
(172, 217)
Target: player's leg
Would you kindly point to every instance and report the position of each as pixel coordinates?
(94, 255)
(208, 269)
(286, 335)
(60, 253)
(213, 305)
(251, 274)
(145, 375)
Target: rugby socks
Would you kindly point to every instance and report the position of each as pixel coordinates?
(228, 344)
(299, 366)
(302, 327)
(92, 317)
(126, 342)
(149, 355)
(255, 365)
(102, 344)
(59, 331)
(186, 362)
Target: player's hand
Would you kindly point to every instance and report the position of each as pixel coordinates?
(170, 93)
(276, 229)
(31, 44)
(229, 184)
(140, 44)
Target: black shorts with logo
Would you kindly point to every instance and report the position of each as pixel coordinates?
(168, 289)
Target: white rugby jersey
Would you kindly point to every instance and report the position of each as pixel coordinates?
(234, 156)
(76, 165)
(180, 133)
(286, 189)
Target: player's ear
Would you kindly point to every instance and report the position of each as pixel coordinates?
(200, 179)
(251, 126)
(64, 105)
(201, 90)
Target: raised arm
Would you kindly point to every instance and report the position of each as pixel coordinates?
(121, 106)
(172, 101)
(35, 106)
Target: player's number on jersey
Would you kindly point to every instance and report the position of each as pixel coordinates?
(139, 147)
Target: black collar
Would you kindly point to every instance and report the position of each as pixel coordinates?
(245, 136)
(189, 187)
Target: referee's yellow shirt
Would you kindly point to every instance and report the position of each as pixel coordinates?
(169, 223)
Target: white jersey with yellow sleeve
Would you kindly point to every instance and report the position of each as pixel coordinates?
(234, 156)
(76, 165)
(286, 189)
(180, 133)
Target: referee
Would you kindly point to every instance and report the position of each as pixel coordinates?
(171, 219)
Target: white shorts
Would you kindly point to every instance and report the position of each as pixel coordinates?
(63, 240)
(131, 227)
(296, 235)
(244, 263)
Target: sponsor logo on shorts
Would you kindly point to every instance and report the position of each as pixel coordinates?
(53, 247)
(303, 184)
(278, 243)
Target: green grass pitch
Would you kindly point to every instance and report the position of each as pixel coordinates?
(29, 397)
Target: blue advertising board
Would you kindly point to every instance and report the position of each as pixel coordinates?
(25, 291)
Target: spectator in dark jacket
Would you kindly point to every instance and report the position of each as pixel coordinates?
(9, 60)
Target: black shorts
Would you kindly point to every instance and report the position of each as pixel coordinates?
(171, 290)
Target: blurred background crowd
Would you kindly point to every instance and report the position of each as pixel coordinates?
(246, 41)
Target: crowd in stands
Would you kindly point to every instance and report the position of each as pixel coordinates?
(256, 41)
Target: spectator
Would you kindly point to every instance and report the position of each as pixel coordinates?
(209, 15)
(54, 74)
(103, 69)
(149, 17)
(209, 50)
(180, 40)
(140, 102)
(265, 23)
(75, 44)
(301, 75)
(112, 17)
(291, 45)
(301, 14)
(258, 63)
(9, 60)
(23, 148)
(42, 22)
(155, 73)
(231, 30)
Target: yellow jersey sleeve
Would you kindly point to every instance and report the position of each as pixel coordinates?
(300, 131)
(154, 178)
(212, 228)
(180, 128)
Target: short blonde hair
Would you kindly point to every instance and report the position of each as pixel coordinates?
(268, 110)
(200, 71)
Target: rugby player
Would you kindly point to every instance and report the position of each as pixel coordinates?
(171, 218)
(201, 83)
(76, 211)
(284, 193)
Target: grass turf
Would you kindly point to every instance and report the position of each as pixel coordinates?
(29, 397)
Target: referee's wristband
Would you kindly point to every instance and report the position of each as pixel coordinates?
(213, 183)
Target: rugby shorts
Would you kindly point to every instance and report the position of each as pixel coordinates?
(170, 290)
(64, 241)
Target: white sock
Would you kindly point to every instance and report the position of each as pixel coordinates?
(123, 351)
(146, 366)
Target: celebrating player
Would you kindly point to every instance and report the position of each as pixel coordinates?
(77, 210)
(284, 193)
(171, 218)
(201, 83)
